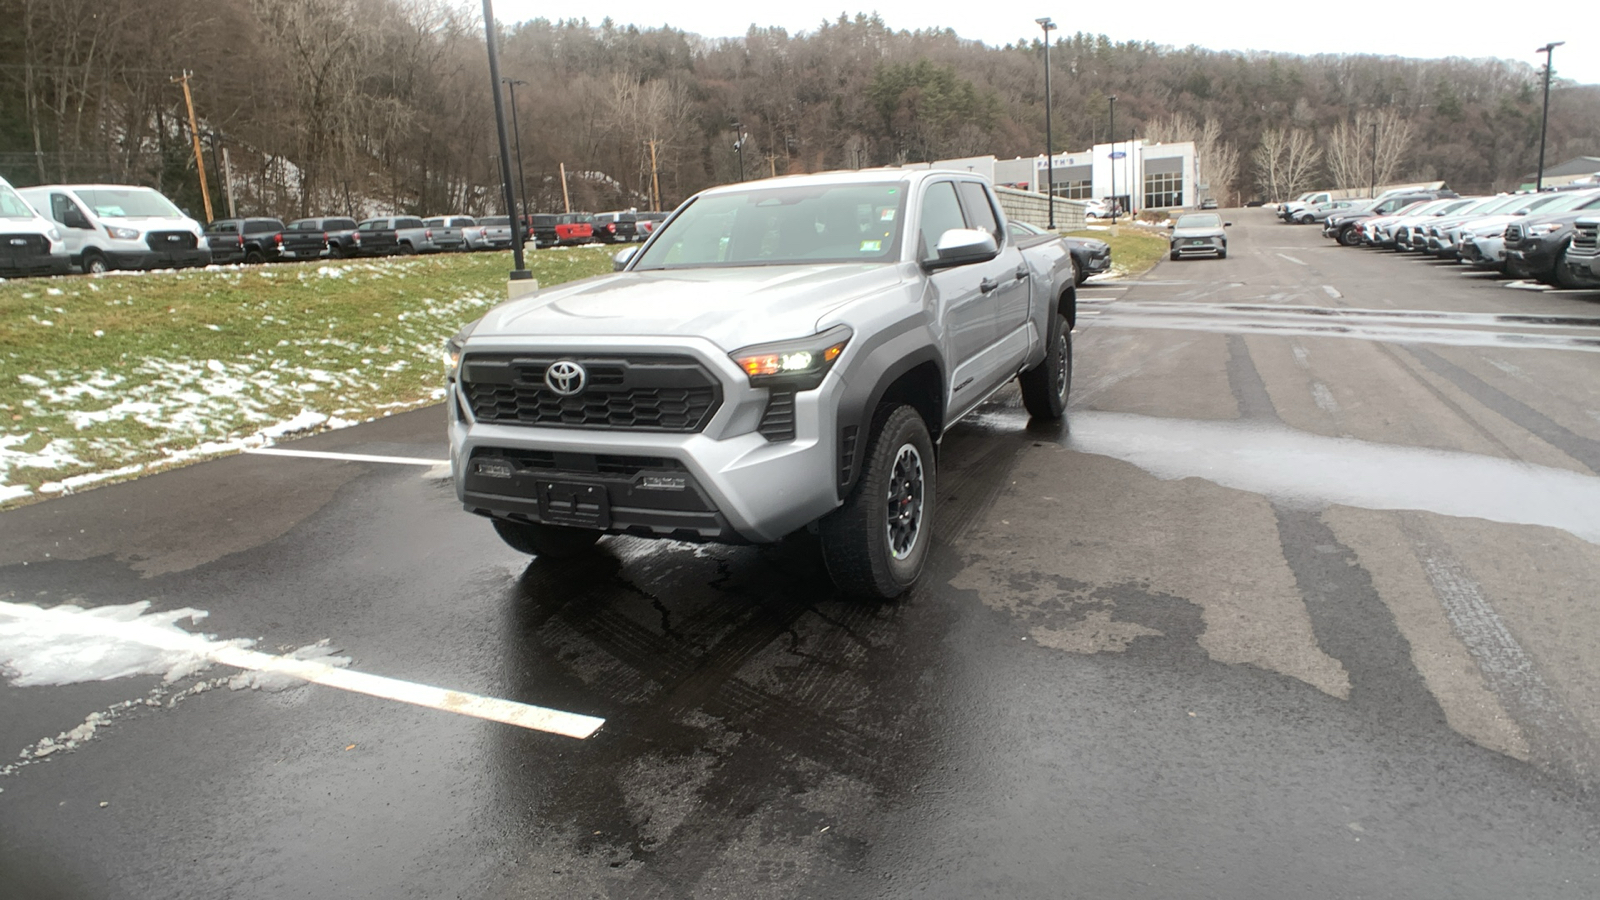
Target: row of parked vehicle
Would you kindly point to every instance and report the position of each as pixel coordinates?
(54, 229)
(1548, 236)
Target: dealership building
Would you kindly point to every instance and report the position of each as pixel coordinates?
(1136, 174)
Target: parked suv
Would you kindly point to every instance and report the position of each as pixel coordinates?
(1536, 246)
(1582, 258)
(29, 243)
(331, 236)
(543, 228)
(249, 241)
(120, 226)
(574, 228)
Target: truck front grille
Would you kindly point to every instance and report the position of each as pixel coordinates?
(170, 240)
(23, 246)
(646, 393)
(1585, 240)
(1513, 233)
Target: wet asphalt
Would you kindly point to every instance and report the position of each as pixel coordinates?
(1117, 679)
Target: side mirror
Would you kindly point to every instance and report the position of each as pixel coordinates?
(961, 246)
(74, 218)
(1227, 224)
(623, 257)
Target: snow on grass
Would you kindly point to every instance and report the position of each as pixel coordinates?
(138, 374)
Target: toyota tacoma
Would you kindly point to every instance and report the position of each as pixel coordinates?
(779, 355)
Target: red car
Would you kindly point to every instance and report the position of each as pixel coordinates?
(574, 228)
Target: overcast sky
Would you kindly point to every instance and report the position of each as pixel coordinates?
(1474, 28)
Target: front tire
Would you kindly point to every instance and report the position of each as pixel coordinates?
(1045, 386)
(1563, 273)
(875, 545)
(1349, 237)
(94, 264)
(1173, 256)
(546, 541)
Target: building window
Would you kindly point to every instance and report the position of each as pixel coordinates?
(1163, 191)
(1074, 190)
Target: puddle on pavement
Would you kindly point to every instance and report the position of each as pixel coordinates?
(1298, 467)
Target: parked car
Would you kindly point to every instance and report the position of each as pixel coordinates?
(1582, 258)
(574, 228)
(1536, 245)
(1319, 213)
(1208, 203)
(543, 228)
(30, 244)
(1089, 256)
(648, 222)
(614, 227)
(251, 241)
(1407, 231)
(1347, 228)
(1439, 238)
(396, 234)
(494, 233)
(1199, 234)
(1482, 242)
(450, 233)
(1096, 209)
(377, 237)
(1286, 211)
(330, 236)
(120, 226)
(732, 402)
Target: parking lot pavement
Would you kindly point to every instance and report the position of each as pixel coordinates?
(1298, 602)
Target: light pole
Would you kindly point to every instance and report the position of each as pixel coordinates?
(738, 147)
(1112, 132)
(1372, 178)
(1049, 145)
(525, 228)
(1549, 51)
(520, 273)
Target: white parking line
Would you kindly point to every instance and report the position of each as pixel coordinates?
(1291, 259)
(97, 637)
(349, 457)
(1332, 291)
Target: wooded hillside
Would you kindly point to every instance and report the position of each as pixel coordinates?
(361, 106)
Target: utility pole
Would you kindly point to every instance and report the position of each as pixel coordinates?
(520, 272)
(1049, 148)
(1372, 179)
(1549, 51)
(525, 229)
(655, 178)
(194, 132)
(772, 163)
(227, 182)
(1111, 131)
(566, 201)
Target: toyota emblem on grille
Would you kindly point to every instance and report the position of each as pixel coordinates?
(565, 377)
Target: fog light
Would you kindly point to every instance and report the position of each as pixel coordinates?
(493, 468)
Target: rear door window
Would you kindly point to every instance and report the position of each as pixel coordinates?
(941, 211)
(979, 210)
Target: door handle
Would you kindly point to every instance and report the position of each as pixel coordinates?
(1022, 272)
(987, 285)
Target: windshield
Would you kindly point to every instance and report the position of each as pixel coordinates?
(1559, 202)
(128, 202)
(783, 226)
(1199, 221)
(12, 206)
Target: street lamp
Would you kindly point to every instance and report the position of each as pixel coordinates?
(525, 228)
(1112, 132)
(1049, 146)
(738, 147)
(1549, 51)
(520, 273)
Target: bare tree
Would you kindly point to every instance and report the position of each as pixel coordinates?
(1286, 162)
(1216, 159)
(1352, 151)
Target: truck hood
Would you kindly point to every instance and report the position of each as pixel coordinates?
(152, 223)
(732, 307)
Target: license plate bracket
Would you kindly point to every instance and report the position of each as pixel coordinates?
(574, 503)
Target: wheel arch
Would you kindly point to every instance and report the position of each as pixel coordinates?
(915, 377)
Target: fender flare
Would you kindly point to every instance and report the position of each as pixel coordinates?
(866, 387)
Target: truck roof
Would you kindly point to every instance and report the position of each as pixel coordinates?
(840, 176)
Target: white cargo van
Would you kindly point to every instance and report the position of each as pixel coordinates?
(29, 243)
(120, 226)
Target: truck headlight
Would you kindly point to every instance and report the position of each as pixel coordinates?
(1543, 229)
(453, 349)
(798, 364)
(123, 234)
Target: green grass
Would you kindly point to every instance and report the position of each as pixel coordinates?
(1135, 249)
(128, 372)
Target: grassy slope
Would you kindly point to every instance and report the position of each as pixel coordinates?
(102, 373)
(1135, 250)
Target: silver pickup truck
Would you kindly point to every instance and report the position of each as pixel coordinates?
(781, 354)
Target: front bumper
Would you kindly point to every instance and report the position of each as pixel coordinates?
(725, 483)
(1199, 246)
(153, 259)
(19, 266)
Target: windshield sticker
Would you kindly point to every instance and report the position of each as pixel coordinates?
(886, 216)
(872, 246)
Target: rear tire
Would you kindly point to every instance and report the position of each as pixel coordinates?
(254, 258)
(876, 543)
(546, 541)
(1045, 387)
(335, 251)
